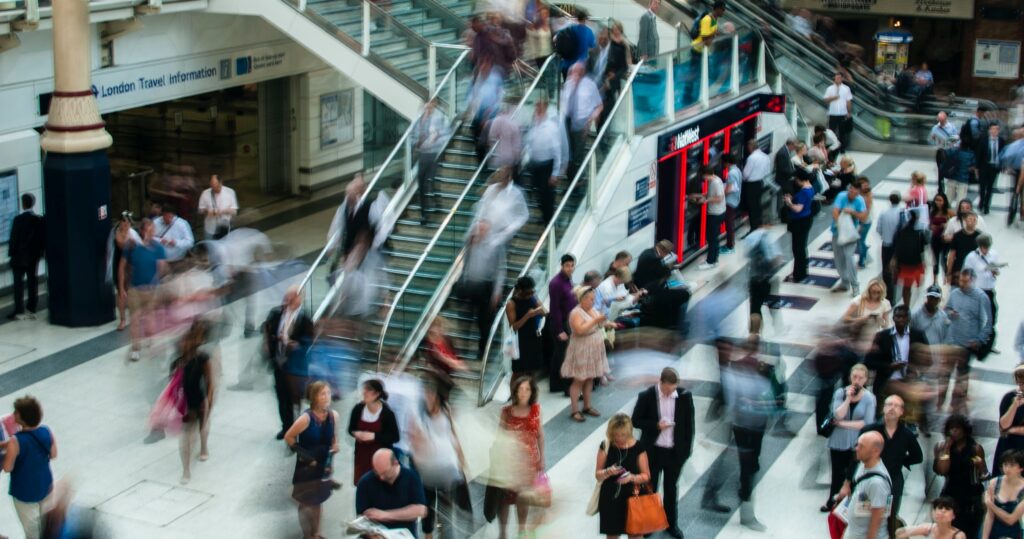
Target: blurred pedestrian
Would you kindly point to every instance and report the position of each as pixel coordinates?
(622, 464)
(849, 205)
(664, 414)
(521, 420)
(580, 107)
(889, 224)
(506, 139)
(585, 357)
(764, 257)
(199, 386)
(864, 184)
(961, 461)
(939, 213)
(124, 237)
(733, 192)
(428, 140)
(907, 263)
(219, 205)
(959, 168)
(985, 262)
(350, 234)
(943, 136)
(970, 326)
(547, 155)
(27, 458)
(373, 426)
(538, 38)
(25, 247)
(314, 438)
(147, 263)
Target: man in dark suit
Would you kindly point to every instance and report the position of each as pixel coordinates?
(352, 224)
(664, 415)
(26, 247)
(890, 353)
(987, 156)
(286, 332)
(784, 169)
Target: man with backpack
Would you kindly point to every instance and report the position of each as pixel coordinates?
(870, 494)
(958, 168)
(703, 31)
(763, 256)
(573, 43)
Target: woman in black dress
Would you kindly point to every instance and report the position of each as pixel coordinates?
(524, 315)
(961, 460)
(1011, 420)
(621, 464)
(198, 386)
(314, 437)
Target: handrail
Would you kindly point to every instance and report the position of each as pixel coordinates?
(380, 171)
(403, 353)
(623, 95)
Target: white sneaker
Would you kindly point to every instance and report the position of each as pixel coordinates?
(707, 266)
(134, 356)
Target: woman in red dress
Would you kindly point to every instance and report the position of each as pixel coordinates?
(373, 425)
(521, 420)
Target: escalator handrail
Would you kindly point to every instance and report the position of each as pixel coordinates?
(549, 229)
(441, 230)
(380, 172)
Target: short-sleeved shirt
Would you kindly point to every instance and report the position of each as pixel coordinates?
(372, 493)
(871, 493)
(803, 197)
(843, 201)
(145, 263)
(839, 107)
(708, 28)
(962, 245)
(716, 189)
(734, 179)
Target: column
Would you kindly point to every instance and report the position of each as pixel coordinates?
(76, 180)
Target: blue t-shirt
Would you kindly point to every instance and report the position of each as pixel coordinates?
(734, 179)
(372, 493)
(585, 41)
(804, 196)
(31, 478)
(144, 260)
(843, 201)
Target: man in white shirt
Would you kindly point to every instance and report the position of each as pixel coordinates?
(612, 296)
(985, 263)
(597, 57)
(715, 199)
(219, 204)
(173, 232)
(944, 135)
(581, 105)
(839, 99)
(428, 140)
(756, 170)
(546, 150)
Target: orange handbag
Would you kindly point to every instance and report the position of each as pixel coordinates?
(645, 514)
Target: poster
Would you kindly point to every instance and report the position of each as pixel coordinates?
(8, 203)
(996, 59)
(336, 118)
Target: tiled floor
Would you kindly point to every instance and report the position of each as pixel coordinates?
(98, 412)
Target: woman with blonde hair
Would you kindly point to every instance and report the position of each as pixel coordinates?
(621, 463)
(871, 311)
(585, 357)
(918, 193)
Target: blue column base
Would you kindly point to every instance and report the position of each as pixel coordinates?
(76, 188)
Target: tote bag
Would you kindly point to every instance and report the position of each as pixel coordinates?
(644, 514)
(846, 230)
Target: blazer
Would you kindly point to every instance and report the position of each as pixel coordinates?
(28, 239)
(646, 416)
(784, 168)
(302, 331)
(647, 44)
(983, 152)
(880, 357)
(388, 435)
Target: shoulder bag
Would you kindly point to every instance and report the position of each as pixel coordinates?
(846, 230)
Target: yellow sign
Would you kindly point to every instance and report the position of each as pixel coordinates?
(952, 9)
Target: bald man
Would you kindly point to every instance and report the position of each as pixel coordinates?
(391, 494)
(870, 495)
(901, 447)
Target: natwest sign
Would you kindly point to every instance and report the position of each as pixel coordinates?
(685, 138)
(953, 9)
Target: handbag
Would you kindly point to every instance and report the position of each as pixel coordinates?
(846, 230)
(539, 493)
(510, 344)
(644, 514)
(595, 499)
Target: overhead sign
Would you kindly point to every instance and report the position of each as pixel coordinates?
(996, 59)
(952, 9)
(690, 133)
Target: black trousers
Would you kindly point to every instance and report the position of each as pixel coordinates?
(800, 229)
(841, 460)
(887, 277)
(663, 461)
(479, 295)
(750, 197)
(283, 391)
(986, 182)
(555, 380)
(22, 275)
(748, 445)
(577, 150)
(841, 126)
(940, 156)
(425, 180)
(541, 173)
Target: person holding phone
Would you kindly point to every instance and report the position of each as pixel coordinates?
(621, 464)
(852, 408)
(1011, 420)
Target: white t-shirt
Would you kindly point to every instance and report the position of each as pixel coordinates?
(839, 106)
(981, 264)
(716, 189)
(224, 200)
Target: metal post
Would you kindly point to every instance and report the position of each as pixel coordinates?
(667, 62)
(592, 182)
(762, 77)
(554, 262)
(630, 113)
(453, 96)
(735, 86)
(302, 5)
(705, 85)
(407, 164)
(366, 28)
(32, 11)
(431, 69)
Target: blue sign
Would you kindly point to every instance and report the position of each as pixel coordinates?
(642, 188)
(641, 215)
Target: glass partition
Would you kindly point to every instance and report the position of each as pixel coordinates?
(649, 91)
(720, 67)
(748, 54)
(686, 77)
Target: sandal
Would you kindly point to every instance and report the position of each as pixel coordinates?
(577, 417)
(592, 412)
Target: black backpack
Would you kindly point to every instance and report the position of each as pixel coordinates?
(695, 27)
(566, 43)
(951, 164)
(967, 134)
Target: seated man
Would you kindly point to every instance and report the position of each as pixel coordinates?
(391, 494)
(666, 305)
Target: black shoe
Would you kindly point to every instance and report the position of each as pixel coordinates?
(249, 331)
(713, 505)
(674, 532)
(335, 485)
(12, 316)
(829, 505)
(280, 435)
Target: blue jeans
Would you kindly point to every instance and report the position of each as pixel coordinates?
(862, 244)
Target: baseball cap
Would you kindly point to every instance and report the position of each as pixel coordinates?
(934, 292)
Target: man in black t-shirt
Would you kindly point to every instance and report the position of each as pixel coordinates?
(964, 241)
